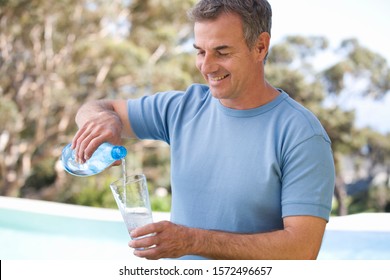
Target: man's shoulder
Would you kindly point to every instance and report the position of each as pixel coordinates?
(302, 120)
(195, 94)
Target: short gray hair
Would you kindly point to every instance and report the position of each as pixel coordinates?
(256, 15)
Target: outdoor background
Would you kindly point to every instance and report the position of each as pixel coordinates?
(55, 55)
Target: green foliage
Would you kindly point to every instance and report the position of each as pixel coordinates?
(363, 64)
(56, 55)
(161, 204)
(281, 54)
(42, 175)
(93, 191)
(375, 199)
(335, 76)
(307, 46)
(9, 117)
(295, 84)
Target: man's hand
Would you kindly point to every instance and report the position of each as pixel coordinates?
(167, 240)
(103, 127)
(100, 121)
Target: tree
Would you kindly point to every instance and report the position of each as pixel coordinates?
(37, 44)
(56, 55)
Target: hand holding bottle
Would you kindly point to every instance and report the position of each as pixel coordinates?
(99, 121)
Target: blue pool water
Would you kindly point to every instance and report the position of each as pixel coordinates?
(26, 235)
(46, 231)
(355, 245)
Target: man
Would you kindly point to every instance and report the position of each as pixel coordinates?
(252, 170)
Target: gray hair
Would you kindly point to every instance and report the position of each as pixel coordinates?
(256, 15)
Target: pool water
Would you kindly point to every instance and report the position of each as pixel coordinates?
(51, 231)
(355, 245)
(26, 235)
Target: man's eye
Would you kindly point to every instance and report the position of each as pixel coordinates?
(223, 54)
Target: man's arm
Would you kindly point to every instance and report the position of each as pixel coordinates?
(300, 239)
(100, 121)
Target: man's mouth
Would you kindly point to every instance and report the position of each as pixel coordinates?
(215, 79)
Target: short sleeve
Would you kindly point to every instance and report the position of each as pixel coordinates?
(308, 179)
(150, 116)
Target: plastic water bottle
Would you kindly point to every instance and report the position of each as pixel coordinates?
(105, 155)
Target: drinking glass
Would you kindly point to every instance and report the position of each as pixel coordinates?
(132, 197)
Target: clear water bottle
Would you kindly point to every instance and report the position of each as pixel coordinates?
(105, 155)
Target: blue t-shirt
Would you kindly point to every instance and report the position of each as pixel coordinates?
(238, 170)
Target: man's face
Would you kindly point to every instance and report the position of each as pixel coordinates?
(225, 61)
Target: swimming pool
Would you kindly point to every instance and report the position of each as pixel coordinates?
(52, 231)
(45, 230)
(364, 236)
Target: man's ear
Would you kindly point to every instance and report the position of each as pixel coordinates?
(262, 46)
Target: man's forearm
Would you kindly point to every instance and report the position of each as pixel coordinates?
(289, 243)
(221, 245)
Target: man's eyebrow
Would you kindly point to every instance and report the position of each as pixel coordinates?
(218, 48)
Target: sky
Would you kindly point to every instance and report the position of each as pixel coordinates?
(366, 20)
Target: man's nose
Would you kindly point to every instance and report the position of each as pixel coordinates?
(209, 64)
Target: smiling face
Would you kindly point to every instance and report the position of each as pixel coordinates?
(234, 72)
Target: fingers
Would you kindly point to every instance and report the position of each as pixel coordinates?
(145, 246)
(90, 137)
(143, 243)
(149, 253)
(89, 146)
(145, 230)
(162, 240)
(146, 237)
(85, 142)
